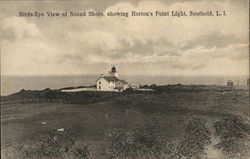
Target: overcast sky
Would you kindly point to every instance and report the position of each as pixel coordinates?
(135, 45)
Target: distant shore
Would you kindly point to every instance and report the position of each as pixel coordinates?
(86, 97)
(12, 84)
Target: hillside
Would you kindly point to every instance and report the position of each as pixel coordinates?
(171, 122)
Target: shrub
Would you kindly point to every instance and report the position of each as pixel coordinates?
(233, 132)
(147, 140)
(49, 144)
(144, 141)
(196, 136)
(80, 152)
(148, 137)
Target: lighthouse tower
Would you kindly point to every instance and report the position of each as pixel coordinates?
(113, 72)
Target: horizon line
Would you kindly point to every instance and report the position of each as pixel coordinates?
(123, 75)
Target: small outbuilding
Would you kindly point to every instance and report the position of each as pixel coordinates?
(230, 83)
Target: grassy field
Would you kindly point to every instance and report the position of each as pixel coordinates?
(171, 123)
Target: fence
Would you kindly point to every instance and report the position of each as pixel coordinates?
(33, 97)
(67, 100)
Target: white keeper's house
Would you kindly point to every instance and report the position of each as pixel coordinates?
(111, 82)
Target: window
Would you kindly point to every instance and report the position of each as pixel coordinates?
(100, 82)
(99, 87)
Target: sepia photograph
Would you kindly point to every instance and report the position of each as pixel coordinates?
(125, 79)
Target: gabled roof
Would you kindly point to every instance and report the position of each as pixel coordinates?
(110, 78)
(113, 79)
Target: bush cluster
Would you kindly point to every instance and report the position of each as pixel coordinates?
(144, 141)
(196, 136)
(233, 132)
(49, 144)
(53, 144)
(148, 141)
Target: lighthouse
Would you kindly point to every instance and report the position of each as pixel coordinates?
(113, 72)
(111, 82)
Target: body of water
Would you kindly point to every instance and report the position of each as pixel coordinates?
(12, 84)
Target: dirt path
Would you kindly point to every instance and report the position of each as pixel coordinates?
(211, 151)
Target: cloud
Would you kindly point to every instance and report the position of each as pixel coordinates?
(215, 39)
(15, 27)
(170, 45)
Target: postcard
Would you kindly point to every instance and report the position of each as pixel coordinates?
(126, 79)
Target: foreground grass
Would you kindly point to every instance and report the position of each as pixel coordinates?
(166, 125)
(234, 136)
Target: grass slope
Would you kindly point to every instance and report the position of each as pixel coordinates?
(170, 123)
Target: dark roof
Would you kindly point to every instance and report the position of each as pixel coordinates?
(113, 79)
(110, 78)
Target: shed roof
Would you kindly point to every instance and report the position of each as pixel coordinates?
(124, 82)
